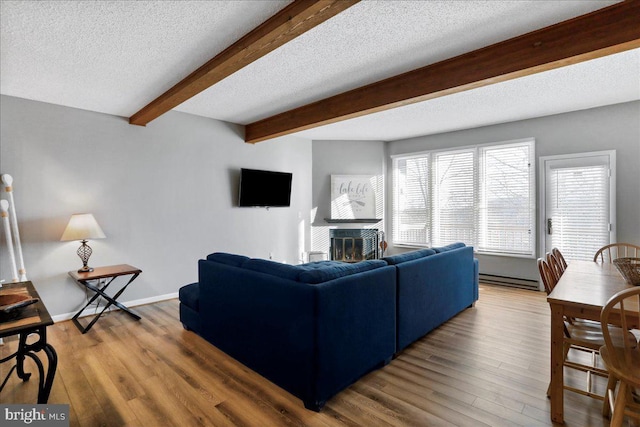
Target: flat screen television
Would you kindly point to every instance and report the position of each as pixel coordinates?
(259, 188)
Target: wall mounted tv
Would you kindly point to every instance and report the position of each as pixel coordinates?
(259, 188)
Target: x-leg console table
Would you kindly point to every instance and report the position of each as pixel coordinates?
(109, 273)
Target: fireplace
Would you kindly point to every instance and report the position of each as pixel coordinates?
(354, 245)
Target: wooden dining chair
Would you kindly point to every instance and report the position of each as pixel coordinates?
(563, 263)
(580, 335)
(616, 250)
(548, 277)
(622, 356)
(555, 265)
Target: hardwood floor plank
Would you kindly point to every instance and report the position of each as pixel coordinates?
(509, 415)
(423, 397)
(439, 387)
(239, 381)
(81, 395)
(401, 412)
(117, 371)
(111, 397)
(362, 410)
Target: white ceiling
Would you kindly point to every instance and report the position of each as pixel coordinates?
(117, 56)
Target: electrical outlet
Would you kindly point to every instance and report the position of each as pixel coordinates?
(270, 255)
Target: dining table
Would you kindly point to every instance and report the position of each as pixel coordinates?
(582, 291)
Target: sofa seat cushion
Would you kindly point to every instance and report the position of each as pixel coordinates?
(329, 270)
(452, 246)
(408, 256)
(228, 259)
(189, 295)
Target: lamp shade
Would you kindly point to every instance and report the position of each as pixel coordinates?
(82, 227)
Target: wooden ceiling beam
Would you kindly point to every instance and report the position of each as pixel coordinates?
(603, 32)
(292, 21)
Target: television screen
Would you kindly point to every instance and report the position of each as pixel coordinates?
(264, 188)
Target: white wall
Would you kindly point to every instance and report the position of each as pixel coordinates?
(615, 127)
(343, 158)
(165, 195)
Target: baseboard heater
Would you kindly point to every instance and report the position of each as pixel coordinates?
(509, 281)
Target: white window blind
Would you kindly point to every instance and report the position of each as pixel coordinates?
(411, 201)
(507, 199)
(454, 197)
(580, 207)
(483, 196)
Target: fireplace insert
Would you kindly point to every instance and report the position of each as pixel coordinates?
(354, 245)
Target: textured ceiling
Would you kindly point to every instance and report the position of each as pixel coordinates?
(117, 56)
(603, 81)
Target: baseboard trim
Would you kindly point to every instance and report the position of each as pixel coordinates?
(510, 281)
(132, 303)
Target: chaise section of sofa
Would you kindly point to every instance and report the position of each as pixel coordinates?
(312, 329)
(189, 296)
(433, 286)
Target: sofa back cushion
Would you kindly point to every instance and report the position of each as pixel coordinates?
(408, 256)
(228, 259)
(452, 246)
(313, 272)
(286, 271)
(325, 271)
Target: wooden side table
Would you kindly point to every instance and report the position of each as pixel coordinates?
(110, 272)
(32, 319)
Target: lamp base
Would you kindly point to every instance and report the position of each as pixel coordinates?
(84, 252)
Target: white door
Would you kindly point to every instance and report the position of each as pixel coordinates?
(578, 203)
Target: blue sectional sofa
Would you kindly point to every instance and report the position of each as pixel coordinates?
(314, 329)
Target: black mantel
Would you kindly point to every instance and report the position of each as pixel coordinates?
(353, 221)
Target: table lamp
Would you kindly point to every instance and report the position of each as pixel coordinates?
(83, 227)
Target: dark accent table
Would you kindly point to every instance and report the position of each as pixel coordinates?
(110, 272)
(30, 320)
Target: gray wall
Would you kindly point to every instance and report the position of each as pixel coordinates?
(614, 127)
(343, 158)
(165, 195)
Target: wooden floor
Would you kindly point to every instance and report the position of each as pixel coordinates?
(489, 366)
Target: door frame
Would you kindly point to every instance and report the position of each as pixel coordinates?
(542, 164)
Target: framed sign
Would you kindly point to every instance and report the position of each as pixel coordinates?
(353, 197)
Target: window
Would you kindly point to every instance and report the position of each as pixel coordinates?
(411, 204)
(482, 195)
(454, 204)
